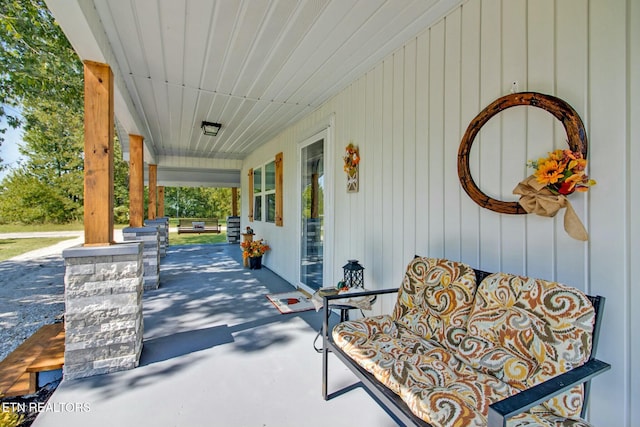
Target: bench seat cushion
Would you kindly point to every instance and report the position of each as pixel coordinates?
(381, 346)
(448, 375)
(462, 397)
(437, 386)
(431, 311)
(524, 331)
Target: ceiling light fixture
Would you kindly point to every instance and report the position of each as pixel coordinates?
(210, 129)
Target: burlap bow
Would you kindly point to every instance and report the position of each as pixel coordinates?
(536, 198)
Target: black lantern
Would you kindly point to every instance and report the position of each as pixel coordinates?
(353, 274)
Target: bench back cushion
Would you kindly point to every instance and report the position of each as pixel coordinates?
(435, 299)
(524, 331)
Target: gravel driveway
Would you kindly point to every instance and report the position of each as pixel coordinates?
(31, 295)
(32, 288)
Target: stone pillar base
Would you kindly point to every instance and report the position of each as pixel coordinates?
(162, 224)
(103, 309)
(150, 237)
(233, 229)
(166, 220)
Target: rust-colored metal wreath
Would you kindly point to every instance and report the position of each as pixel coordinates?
(576, 137)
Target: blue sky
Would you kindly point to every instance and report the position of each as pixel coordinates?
(9, 148)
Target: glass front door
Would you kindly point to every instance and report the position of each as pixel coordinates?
(312, 214)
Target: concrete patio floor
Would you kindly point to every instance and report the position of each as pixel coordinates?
(217, 353)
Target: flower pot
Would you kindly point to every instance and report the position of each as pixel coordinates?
(255, 262)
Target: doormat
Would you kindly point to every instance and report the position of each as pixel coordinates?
(291, 302)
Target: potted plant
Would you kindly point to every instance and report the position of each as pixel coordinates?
(253, 251)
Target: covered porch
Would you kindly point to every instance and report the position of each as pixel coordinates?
(399, 79)
(217, 352)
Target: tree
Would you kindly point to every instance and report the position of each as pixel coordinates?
(120, 186)
(36, 60)
(41, 73)
(220, 201)
(26, 199)
(198, 202)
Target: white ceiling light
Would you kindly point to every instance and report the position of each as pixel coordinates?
(210, 129)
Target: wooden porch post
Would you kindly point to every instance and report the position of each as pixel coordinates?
(234, 201)
(160, 201)
(153, 191)
(98, 154)
(136, 181)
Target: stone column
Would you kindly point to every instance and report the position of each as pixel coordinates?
(103, 313)
(166, 220)
(233, 229)
(151, 253)
(162, 224)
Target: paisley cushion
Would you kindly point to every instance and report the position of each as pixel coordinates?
(524, 331)
(379, 346)
(461, 399)
(517, 333)
(435, 299)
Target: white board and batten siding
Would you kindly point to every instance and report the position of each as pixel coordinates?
(408, 114)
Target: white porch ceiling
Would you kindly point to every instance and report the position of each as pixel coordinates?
(255, 66)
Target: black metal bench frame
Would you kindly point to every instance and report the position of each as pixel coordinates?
(499, 412)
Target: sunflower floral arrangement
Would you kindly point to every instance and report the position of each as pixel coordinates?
(351, 159)
(562, 172)
(545, 192)
(254, 249)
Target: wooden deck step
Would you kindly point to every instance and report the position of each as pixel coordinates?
(42, 351)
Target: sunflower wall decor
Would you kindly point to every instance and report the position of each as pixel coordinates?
(556, 177)
(351, 161)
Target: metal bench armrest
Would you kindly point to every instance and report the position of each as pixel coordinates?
(359, 294)
(327, 298)
(500, 411)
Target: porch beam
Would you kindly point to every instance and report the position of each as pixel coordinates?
(136, 181)
(153, 192)
(160, 201)
(234, 201)
(98, 154)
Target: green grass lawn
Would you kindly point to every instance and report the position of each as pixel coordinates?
(195, 239)
(23, 228)
(12, 247)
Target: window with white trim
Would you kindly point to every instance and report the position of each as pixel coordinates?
(270, 191)
(266, 183)
(257, 194)
(264, 192)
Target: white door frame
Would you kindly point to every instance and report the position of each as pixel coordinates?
(329, 221)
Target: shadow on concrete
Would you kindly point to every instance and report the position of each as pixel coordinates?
(217, 352)
(206, 300)
(183, 343)
(206, 288)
